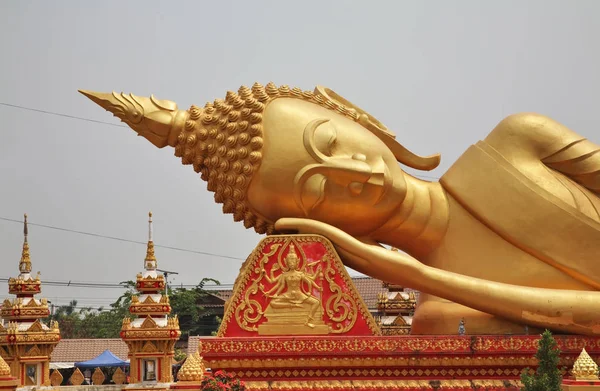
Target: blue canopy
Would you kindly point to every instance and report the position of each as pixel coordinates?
(106, 359)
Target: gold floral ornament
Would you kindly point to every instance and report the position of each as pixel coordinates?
(192, 369)
(585, 368)
(56, 378)
(76, 378)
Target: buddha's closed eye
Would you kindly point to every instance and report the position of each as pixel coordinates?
(348, 172)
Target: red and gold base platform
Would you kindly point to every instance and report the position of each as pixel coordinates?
(377, 362)
(296, 322)
(580, 385)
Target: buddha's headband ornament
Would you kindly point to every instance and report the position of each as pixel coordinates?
(403, 155)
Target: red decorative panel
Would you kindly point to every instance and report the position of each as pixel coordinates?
(295, 285)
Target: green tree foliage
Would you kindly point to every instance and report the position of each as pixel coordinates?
(548, 376)
(184, 303)
(78, 322)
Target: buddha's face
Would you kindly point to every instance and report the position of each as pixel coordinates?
(320, 165)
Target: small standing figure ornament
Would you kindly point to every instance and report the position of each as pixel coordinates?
(461, 327)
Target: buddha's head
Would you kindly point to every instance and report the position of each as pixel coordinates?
(270, 152)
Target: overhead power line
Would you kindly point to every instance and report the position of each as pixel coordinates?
(122, 239)
(109, 285)
(112, 124)
(61, 115)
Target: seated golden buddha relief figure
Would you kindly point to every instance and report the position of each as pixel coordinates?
(509, 237)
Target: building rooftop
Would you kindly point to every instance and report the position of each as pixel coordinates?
(75, 350)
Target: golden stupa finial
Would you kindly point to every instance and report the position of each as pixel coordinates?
(4, 368)
(192, 369)
(585, 368)
(25, 263)
(150, 261)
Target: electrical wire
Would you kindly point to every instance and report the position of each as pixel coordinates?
(121, 239)
(61, 115)
(80, 284)
(110, 123)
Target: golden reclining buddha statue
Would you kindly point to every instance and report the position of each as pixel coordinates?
(508, 239)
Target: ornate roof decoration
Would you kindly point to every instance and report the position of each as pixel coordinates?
(585, 368)
(4, 368)
(24, 312)
(192, 369)
(151, 305)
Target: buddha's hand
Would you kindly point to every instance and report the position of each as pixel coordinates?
(367, 257)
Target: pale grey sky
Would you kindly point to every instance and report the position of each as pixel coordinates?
(440, 74)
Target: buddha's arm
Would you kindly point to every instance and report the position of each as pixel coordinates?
(569, 311)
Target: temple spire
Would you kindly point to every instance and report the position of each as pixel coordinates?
(149, 226)
(150, 261)
(25, 263)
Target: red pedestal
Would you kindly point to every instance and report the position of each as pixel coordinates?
(273, 338)
(394, 361)
(581, 385)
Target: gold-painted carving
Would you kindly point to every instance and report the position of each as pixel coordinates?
(280, 157)
(56, 378)
(98, 377)
(585, 368)
(149, 347)
(148, 323)
(119, 376)
(34, 351)
(4, 368)
(36, 327)
(192, 370)
(293, 307)
(76, 378)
